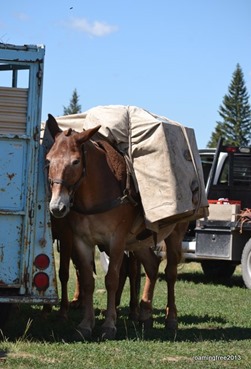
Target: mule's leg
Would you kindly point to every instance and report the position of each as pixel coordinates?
(131, 268)
(112, 283)
(62, 232)
(75, 302)
(85, 256)
(123, 273)
(134, 273)
(173, 250)
(65, 253)
(151, 265)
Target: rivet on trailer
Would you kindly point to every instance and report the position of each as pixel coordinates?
(27, 269)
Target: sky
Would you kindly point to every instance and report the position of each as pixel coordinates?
(172, 58)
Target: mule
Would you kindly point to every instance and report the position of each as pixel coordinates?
(88, 183)
(130, 268)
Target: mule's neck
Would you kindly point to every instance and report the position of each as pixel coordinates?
(100, 185)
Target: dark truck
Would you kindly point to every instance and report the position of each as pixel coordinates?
(223, 240)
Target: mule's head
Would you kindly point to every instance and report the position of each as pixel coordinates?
(65, 165)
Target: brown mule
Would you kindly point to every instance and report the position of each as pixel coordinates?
(87, 182)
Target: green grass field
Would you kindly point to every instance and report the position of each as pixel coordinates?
(214, 330)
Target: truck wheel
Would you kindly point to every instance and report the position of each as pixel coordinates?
(4, 313)
(218, 269)
(246, 264)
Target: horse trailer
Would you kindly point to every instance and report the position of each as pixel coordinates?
(27, 268)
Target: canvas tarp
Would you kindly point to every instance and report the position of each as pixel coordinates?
(164, 155)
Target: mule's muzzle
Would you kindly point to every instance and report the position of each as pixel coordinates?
(58, 211)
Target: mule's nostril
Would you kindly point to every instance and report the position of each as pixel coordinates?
(62, 208)
(58, 211)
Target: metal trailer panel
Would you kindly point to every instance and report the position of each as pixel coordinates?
(13, 110)
(24, 218)
(213, 242)
(24, 53)
(223, 244)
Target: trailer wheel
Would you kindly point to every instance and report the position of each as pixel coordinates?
(4, 313)
(246, 264)
(218, 269)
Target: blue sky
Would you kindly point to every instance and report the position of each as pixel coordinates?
(173, 58)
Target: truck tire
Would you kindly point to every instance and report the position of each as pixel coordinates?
(4, 313)
(218, 269)
(246, 264)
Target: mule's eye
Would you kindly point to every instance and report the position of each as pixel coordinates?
(76, 162)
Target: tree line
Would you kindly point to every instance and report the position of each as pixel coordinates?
(235, 113)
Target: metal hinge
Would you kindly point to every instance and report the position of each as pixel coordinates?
(39, 76)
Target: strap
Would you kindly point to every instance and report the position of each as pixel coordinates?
(102, 208)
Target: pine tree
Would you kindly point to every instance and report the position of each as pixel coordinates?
(235, 112)
(74, 106)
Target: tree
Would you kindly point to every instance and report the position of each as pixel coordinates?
(235, 112)
(74, 107)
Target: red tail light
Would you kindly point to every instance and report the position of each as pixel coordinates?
(231, 149)
(41, 281)
(42, 261)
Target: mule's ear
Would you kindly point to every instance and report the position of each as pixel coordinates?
(52, 125)
(86, 135)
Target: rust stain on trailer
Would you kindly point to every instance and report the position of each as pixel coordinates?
(42, 242)
(10, 175)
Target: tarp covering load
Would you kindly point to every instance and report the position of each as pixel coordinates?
(164, 155)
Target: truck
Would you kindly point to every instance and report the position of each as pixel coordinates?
(222, 241)
(27, 267)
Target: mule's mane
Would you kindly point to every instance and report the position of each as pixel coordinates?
(115, 160)
(68, 132)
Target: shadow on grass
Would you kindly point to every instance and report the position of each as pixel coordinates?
(194, 334)
(3, 355)
(192, 328)
(197, 278)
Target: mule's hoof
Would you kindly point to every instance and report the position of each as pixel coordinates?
(83, 334)
(171, 324)
(147, 324)
(108, 333)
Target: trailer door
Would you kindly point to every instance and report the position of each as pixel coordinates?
(20, 101)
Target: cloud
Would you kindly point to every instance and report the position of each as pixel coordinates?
(21, 16)
(96, 28)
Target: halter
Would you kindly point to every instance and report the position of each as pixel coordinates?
(64, 183)
(72, 188)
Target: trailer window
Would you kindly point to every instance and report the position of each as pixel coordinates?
(206, 161)
(242, 170)
(14, 83)
(224, 176)
(13, 75)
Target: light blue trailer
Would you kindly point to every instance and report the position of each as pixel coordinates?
(27, 268)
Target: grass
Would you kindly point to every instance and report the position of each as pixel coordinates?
(214, 331)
